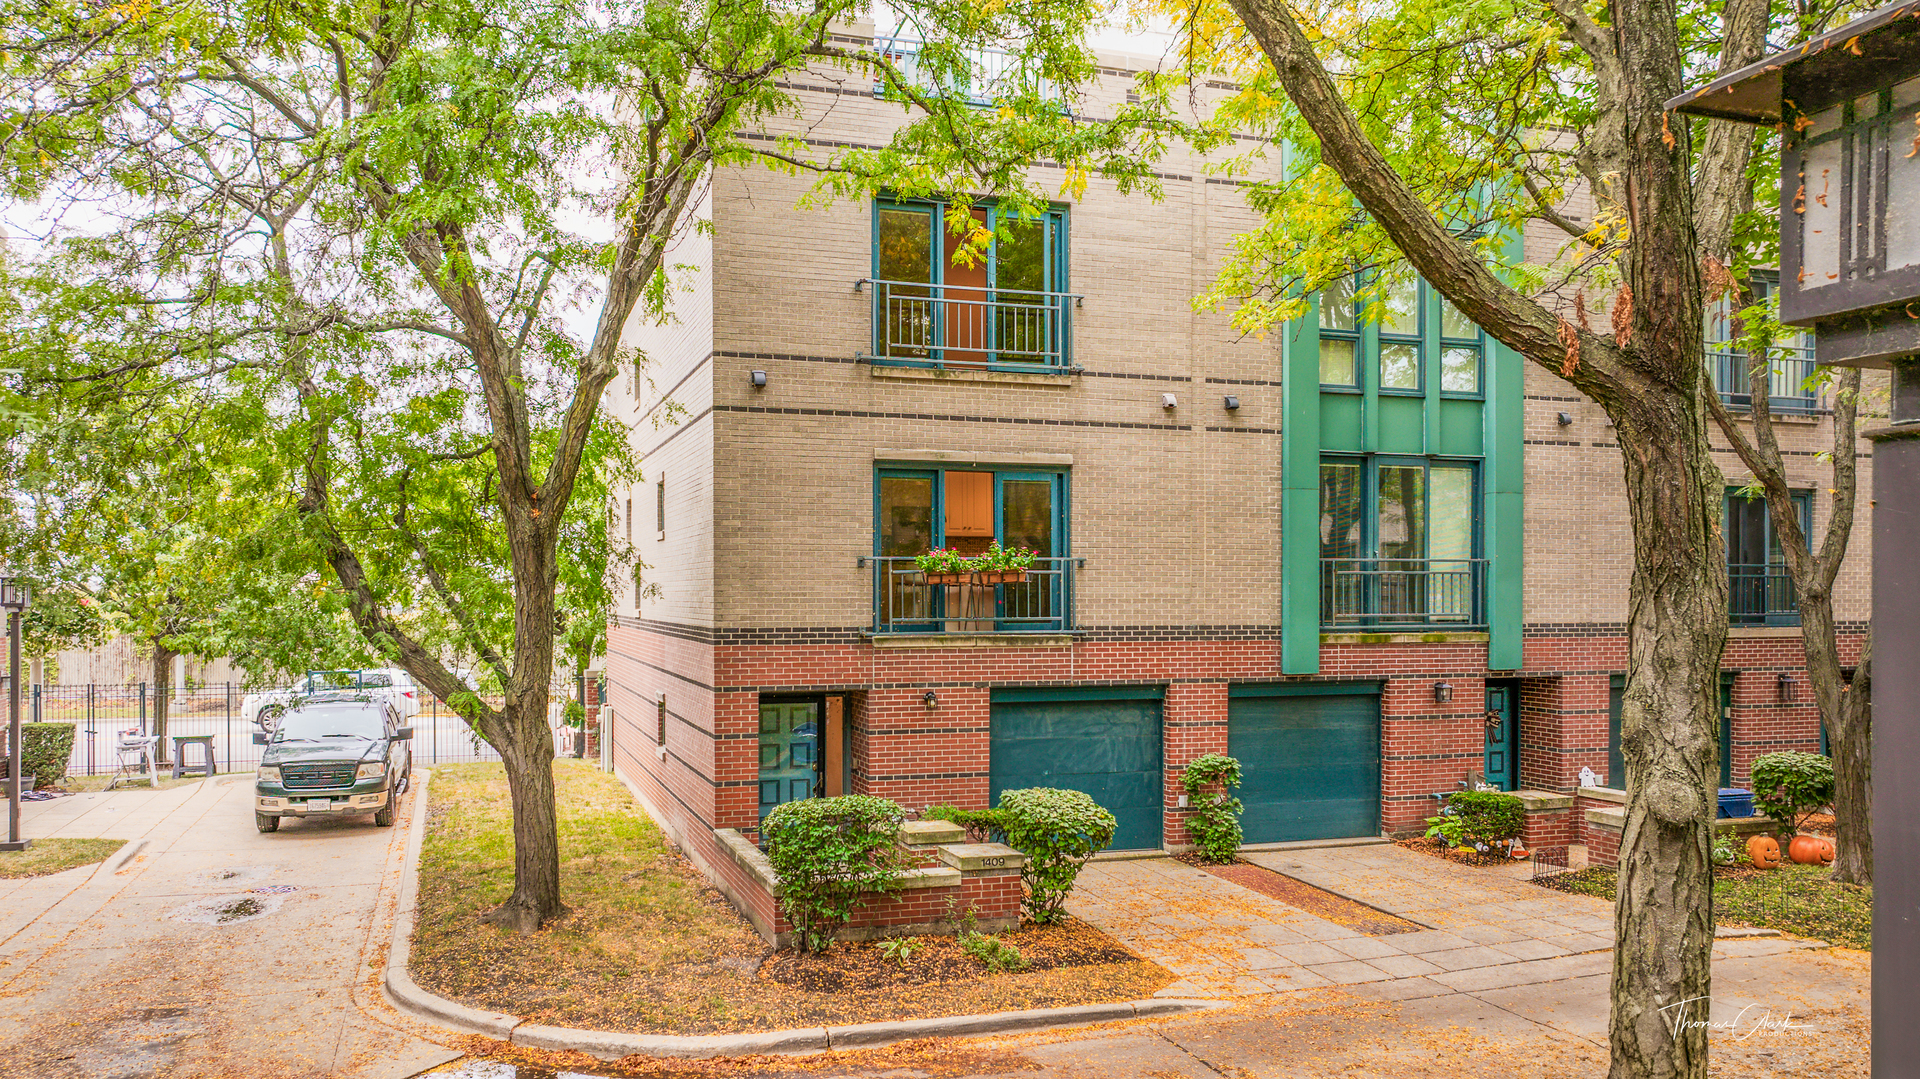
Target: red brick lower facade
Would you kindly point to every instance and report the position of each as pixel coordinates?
(704, 775)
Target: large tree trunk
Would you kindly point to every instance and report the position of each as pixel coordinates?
(1663, 920)
(162, 697)
(1850, 736)
(536, 850)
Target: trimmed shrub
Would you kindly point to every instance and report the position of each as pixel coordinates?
(1215, 822)
(1789, 786)
(1479, 818)
(827, 853)
(982, 825)
(1058, 831)
(45, 749)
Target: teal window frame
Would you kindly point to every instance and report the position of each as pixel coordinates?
(1429, 342)
(1062, 515)
(1370, 464)
(1056, 272)
(1803, 502)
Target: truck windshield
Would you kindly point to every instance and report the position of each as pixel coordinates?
(313, 724)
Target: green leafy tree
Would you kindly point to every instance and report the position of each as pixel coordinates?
(373, 222)
(1418, 136)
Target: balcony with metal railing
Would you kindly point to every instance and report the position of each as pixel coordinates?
(1761, 595)
(970, 326)
(990, 73)
(1036, 600)
(1787, 381)
(1367, 594)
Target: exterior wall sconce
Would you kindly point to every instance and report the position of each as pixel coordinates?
(1789, 689)
(1232, 402)
(1442, 692)
(931, 699)
(1168, 400)
(759, 380)
(1565, 419)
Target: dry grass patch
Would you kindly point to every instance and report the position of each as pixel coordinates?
(651, 947)
(56, 855)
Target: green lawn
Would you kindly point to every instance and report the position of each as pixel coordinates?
(1803, 900)
(651, 946)
(53, 855)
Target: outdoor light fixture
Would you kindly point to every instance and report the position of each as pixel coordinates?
(1789, 689)
(931, 698)
(759, 380)
(1232, 402)
(1847, 105)
(1167, 400)
(15, 594)
(1566, 419)
(1442, 692)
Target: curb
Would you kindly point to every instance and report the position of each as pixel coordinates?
(124, 855)
(406, 995)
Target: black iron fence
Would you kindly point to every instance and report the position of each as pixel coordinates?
(1038, 599)
(103, 714)
(1761, 595)
(1412, 592)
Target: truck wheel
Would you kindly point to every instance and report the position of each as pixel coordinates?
(266, 823)
(384, 818)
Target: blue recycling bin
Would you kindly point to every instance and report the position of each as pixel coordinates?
(1736, 802)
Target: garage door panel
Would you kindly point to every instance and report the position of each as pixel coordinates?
(1108, 749)
(1311, 765)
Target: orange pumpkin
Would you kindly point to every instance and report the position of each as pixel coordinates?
(1764, 852)
(1811, 850)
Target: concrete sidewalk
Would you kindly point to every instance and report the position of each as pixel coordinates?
(215, 950)
(1484, 928)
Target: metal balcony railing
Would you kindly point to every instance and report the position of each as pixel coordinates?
(1388, 593)
(992, 73)
(970, 326)
(1761, 595)
(1786, 383)
(905, 601)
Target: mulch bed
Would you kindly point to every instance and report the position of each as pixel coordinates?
(863, 966)
(1315, 901)
(1438, 848)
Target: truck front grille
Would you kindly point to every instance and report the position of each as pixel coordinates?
(316, 776)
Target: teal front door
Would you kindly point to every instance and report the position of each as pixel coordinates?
(1310, 762)
(1503, 738)
(1104, 742)
(789, 752)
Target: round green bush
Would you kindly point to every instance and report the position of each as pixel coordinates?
(1789, 786)
(1486, 817)
(826, 854)
(45, 749)
(1058, 831)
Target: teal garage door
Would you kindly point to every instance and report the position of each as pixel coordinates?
(1101, 740)
(1310, 758)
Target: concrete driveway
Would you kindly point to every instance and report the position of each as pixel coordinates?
(215, 950)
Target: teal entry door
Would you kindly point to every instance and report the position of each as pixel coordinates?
(789, 752)
(1503, 738)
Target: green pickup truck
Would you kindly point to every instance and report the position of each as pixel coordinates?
(333, 754)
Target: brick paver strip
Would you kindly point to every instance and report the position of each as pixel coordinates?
(1316, 901)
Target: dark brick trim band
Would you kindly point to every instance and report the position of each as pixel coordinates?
(1241, 382)
(1246, 430)
(855, 413)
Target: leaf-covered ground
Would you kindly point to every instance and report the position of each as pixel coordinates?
(54, 855)
(651, 947)
(1803, 900)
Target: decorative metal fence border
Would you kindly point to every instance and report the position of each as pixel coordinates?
(102, 713)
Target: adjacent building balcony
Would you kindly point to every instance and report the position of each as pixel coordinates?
(1761, 595)
(1787, 389)
(969, 326)
(1366, 594)
(906, 601)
